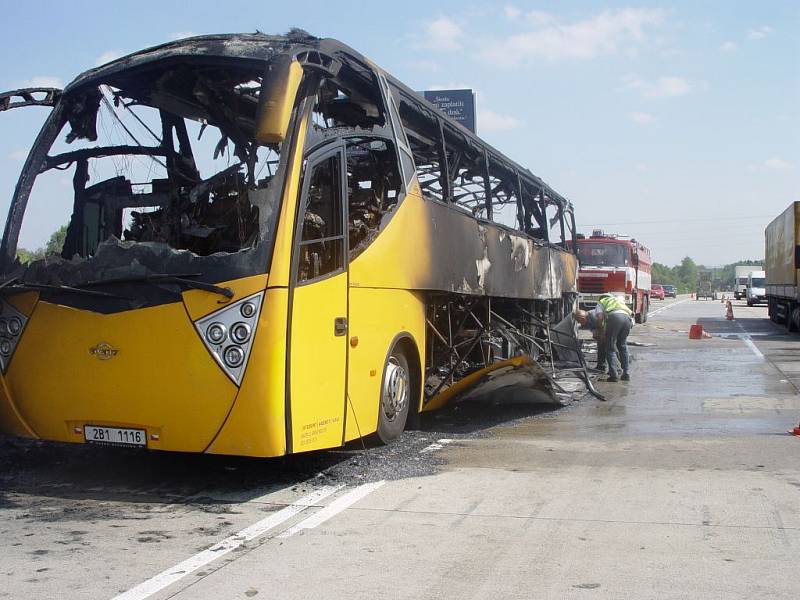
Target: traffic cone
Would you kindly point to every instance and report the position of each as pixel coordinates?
(696, 332)
(796, 431)
(729, 313)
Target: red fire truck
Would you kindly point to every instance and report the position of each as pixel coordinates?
(617, 265)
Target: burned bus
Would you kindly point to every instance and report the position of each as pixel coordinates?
(271, 246)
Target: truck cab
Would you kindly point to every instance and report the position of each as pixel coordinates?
(756, 292)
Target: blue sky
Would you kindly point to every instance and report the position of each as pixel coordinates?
(677, 123)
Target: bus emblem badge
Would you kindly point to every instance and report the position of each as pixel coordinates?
(103, 351)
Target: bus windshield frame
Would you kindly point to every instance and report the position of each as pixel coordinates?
(211, 202)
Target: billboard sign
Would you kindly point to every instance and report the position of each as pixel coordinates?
(459, 105)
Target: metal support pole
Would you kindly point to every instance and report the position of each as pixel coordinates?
(444, 167)
(487, 186)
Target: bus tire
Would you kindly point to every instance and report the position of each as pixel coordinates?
(395, 396)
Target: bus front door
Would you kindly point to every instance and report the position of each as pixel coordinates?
(318, 323)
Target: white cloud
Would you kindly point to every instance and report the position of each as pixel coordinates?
(107, 57)
(602, 34)
(18, 155)
(424, 65)
(441, 34)
(759, 33)
(43, 81)
(776, 163)
(643, 168)
(488, 120)
(662, 87)
(540, 18)
(771, 164)
(642, 118)
(728, 46)
(179, 35)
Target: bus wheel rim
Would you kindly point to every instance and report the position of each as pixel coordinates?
(394, 395)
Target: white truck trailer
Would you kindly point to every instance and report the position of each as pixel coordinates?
(740, 282)
(782, 247)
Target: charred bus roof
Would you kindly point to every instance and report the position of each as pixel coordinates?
(261, 48)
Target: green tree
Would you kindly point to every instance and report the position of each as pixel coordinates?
(56, 241)
(26, 256)
(663, 274)
(687, 272)
(51, 248)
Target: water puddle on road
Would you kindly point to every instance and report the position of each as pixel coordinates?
(751, 404)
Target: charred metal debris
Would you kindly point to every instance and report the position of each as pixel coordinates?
(482, 338)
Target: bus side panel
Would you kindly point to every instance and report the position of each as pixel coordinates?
(428, 245)
(377, 317)
(256, 424)
(400, 257)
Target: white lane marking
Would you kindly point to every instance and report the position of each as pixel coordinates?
(437, 445)
(191, 564)
(655, 312)
(745, 337)
(333, 509)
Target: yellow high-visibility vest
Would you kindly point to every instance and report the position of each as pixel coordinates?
(613, 304)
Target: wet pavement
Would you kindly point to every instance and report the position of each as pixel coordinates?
(683, 484)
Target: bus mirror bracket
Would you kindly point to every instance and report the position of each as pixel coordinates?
(279, 90)
(276, 99)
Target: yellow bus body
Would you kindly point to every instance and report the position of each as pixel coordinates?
(320, 349)
(164, 380)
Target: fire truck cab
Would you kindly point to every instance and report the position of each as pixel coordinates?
(613, 264)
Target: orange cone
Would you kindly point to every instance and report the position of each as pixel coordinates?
(696, 332)
(729, 313)
(796, 431)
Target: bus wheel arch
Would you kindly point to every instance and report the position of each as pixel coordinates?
(401, 376)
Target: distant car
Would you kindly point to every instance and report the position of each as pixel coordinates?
(670, 291)
(656, 292)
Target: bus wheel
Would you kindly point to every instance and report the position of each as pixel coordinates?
(395, 397)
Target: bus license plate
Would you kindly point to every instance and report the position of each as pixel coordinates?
(114, 435)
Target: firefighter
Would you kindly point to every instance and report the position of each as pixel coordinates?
(618, 320)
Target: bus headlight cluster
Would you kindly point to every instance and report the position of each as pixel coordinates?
(228, 334)
(216, 333)
(12, 322)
